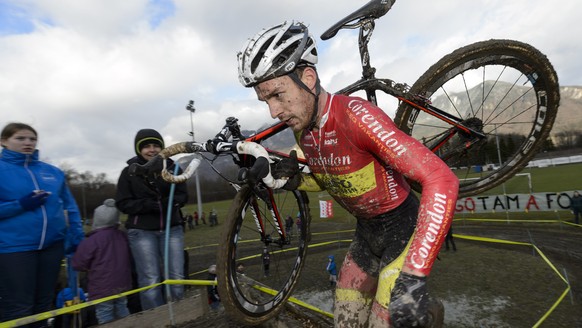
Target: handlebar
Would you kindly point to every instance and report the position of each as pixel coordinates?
(261, 168)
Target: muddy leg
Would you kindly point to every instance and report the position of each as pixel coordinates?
(354, 294)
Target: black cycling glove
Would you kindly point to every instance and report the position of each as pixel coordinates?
(288, 167)
(409, 302)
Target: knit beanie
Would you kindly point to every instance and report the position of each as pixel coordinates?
(106, 215)
(145, 137)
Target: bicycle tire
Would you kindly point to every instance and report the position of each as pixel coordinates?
(510, 90)
(241, 242)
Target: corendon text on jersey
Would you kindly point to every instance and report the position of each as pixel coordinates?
(381, 133)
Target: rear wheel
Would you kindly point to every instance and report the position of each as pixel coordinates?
(257, 294)
(506, 89)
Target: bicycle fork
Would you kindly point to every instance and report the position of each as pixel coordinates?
(266, 195)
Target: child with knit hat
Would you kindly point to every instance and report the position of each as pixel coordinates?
(146, 137)
(105, 255)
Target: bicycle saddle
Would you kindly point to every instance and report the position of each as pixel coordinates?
(373, 9)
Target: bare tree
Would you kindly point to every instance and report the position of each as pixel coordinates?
(567, 139)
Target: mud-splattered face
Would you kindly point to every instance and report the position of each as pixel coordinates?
(287, 101)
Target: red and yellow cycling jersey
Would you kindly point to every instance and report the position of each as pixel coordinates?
(363, 160)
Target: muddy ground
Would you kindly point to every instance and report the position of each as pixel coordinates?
(561, 244)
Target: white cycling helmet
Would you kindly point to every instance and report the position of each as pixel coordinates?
(275, 52)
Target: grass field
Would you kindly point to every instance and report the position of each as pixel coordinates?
(549, 179)
(554, 178)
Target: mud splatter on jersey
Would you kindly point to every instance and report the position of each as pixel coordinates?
(363, 160)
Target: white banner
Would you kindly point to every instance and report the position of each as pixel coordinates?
(548, 201)
(325, 209)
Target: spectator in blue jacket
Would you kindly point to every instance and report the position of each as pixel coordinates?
(105, 255)
(39, 223)
(332, 270)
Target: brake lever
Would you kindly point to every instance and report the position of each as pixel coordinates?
(256, 173)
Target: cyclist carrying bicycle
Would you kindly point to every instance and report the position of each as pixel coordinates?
(356, 153)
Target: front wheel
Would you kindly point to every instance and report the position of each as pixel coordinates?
(505, 89)
(257, 290)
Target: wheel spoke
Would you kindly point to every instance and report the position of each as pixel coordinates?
(259, 292)
(505, 90)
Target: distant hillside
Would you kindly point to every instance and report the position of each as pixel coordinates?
(570, 111)
(569, 116)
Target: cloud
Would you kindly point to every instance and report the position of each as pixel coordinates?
(89, 74)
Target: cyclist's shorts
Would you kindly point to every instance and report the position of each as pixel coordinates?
(379, 240)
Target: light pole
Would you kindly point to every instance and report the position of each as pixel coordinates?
(191, 109)
(500, 165)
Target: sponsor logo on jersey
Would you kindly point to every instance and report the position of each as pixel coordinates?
(384, 135)
(351, 184)
(392, 184)
(436, 216)
(330, 161)
(329, 134)
(330, 142)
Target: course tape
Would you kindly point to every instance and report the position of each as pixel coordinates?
(76, 307)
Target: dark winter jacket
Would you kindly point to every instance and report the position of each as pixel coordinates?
(576, 202)
(145, 199)
(105, 255)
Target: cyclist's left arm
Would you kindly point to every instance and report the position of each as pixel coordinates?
(412, 159)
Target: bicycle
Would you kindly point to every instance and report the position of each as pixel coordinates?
(459, 108)
(468, 99)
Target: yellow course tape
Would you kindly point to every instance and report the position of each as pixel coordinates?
(542, 255)
(74, 308)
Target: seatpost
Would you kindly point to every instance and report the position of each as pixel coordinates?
(366, 31)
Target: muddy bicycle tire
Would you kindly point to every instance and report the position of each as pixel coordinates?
(244, 296)
(504, 88)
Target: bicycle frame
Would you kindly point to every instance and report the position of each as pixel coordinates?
(369, 83)
(246, 162)
(259, 220)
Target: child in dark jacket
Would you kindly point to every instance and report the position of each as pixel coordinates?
(105, 255)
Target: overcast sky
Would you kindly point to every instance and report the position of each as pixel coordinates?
(89, 74)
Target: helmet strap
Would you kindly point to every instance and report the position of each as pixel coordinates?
(313, 121)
